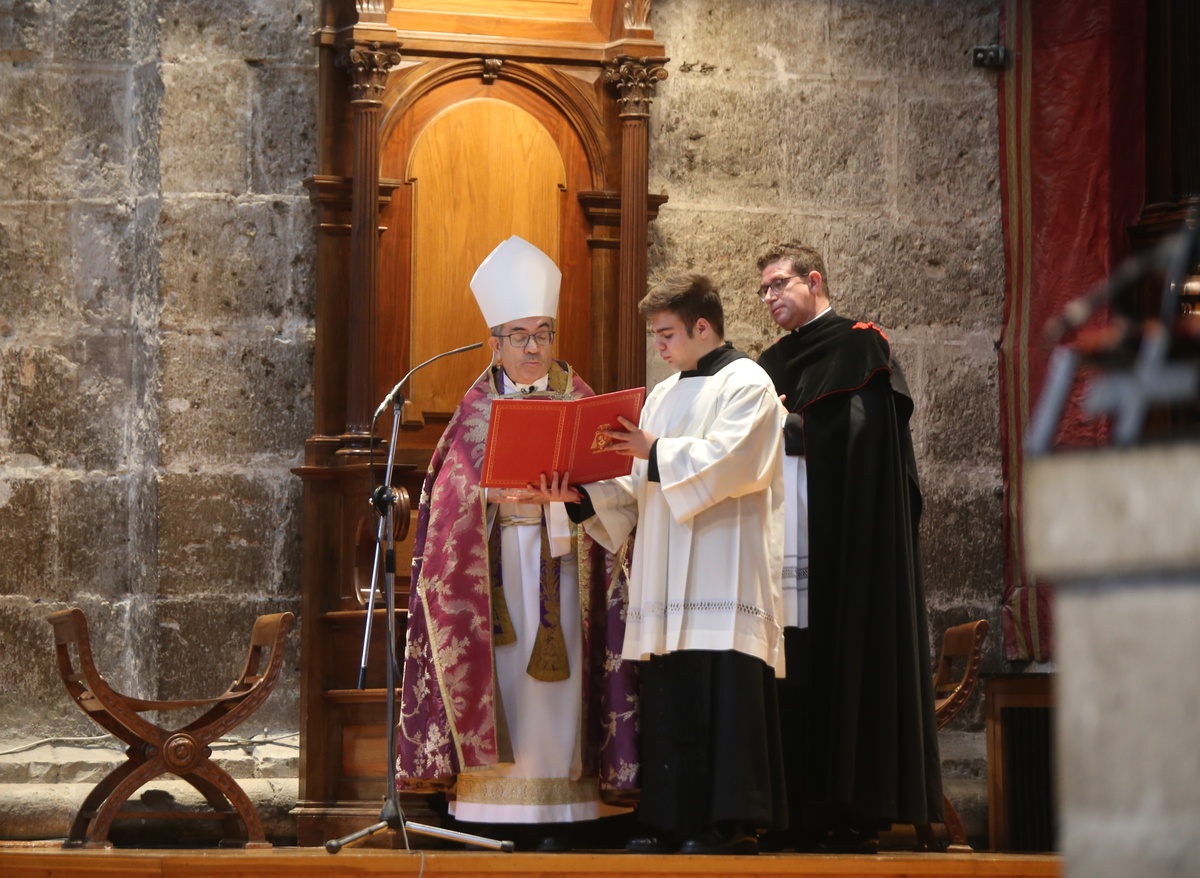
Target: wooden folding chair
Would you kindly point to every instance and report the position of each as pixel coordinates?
(154, 750)
(962, 645)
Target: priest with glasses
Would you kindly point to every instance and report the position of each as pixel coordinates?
(515, 700)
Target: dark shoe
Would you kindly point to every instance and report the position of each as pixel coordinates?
(554, 844)
(802, 840)
(846, 840)
(722, 840)
(650, 844)
(776, 841)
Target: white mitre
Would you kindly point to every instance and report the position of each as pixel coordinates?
(517, 280)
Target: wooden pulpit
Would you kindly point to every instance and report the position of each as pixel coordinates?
(445, 126)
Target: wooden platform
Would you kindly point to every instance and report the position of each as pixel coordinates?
(31, 861)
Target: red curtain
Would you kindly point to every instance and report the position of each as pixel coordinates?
(1072, 135)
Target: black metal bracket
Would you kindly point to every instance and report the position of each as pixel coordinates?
(990, 57)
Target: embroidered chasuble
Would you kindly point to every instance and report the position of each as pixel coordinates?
(514, 693)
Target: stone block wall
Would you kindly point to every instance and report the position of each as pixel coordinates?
(156, 260)
(156, 297)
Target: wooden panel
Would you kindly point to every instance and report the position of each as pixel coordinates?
(482, 170)
(565, 21)
(558, 10)
(364, 749)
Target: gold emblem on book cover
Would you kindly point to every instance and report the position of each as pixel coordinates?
(601, 440)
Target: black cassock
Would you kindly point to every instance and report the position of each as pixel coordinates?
(857, 707)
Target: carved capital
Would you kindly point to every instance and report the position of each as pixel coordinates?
(369, 65)
(635, 80)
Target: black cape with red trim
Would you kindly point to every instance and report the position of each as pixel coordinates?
(864, 737)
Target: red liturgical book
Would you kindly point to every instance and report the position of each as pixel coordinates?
(528, 437)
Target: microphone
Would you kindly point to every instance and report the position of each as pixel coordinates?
(395, 391)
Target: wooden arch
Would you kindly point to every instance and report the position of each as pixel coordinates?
(410, 86)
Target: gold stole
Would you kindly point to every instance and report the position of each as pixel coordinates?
(548, 659)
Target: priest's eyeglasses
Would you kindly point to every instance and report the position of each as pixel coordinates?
(543, 337)
(778, 285)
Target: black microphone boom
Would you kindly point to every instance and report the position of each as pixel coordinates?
(387, 400)
(1132, 269)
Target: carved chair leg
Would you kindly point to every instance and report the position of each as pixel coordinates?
(142, 774)
(78, 835)
(954, 828)
(232, 826)
(224, 793)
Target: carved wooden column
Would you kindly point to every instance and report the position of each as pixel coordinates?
(370, 53)
(635, 80)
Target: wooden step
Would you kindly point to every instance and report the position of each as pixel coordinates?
(28, 861)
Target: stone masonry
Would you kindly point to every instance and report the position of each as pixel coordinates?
(156, 315)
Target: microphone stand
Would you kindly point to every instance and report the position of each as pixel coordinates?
(384, 499)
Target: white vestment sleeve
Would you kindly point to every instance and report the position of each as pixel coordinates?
(736, 456)
(616, 511)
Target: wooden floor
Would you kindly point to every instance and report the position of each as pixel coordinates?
(29, 860)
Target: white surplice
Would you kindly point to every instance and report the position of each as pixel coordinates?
(708, 559)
